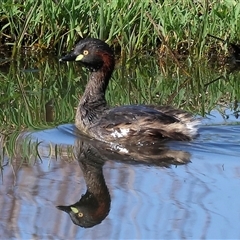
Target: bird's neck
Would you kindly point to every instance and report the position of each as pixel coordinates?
(96, 185)
(93, 102)
(96, 86)
(95, 90)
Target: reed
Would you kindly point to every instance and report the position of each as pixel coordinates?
(133, 25)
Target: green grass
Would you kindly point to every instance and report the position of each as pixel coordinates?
(133, 25)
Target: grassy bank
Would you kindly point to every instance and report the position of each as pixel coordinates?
(132, 25)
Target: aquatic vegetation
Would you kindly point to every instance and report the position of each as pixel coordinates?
(132, 25)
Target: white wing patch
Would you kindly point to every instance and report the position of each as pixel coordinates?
(122, 132)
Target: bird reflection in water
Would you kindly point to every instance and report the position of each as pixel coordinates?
(94, 206)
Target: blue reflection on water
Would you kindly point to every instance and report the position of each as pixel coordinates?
(197, 200)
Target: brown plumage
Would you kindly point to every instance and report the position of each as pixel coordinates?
(131, 124)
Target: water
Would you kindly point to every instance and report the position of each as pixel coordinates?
(197, 200)
(176, 191)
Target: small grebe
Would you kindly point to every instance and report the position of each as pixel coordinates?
(130, 124)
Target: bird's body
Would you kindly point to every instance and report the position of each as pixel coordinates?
(132, 124)
(139, 123)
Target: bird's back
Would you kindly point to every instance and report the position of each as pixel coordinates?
(136, 124)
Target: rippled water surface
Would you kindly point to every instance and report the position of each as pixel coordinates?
(200, 199)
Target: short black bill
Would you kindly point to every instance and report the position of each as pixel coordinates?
(68, 57)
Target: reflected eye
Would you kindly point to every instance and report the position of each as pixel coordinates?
(80, 214)
(85, 52)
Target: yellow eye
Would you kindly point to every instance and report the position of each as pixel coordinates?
(85, 52)
(80, 214)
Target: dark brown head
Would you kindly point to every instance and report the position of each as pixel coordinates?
(93, 53)
(88, 211)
